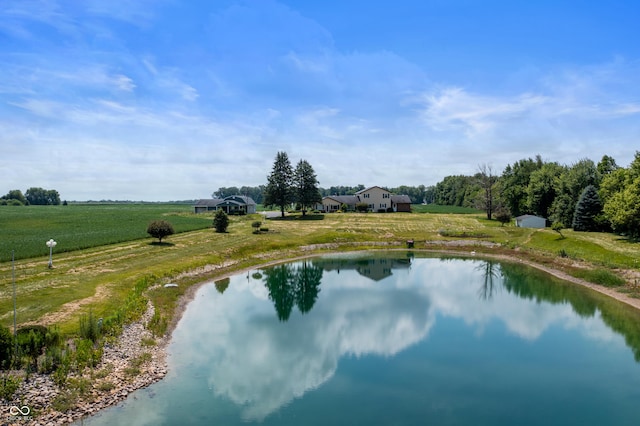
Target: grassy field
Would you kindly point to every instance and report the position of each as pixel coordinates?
(25, 229)
(101, 277)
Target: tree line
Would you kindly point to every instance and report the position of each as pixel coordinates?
(33, 196)
(585, 196)
(418, 194)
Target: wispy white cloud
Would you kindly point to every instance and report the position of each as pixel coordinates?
(125, 87)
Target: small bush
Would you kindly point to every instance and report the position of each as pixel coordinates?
(131, 371)
(220, 221)
(362, 207)
(87, 354)
(65, 401)
(140, 360)
(90, 327)
(503, 216)
(157, 325)
(8, 386)
(147, 341)
(6, 347)
(104, 372)
(105, 386)
(80, 385)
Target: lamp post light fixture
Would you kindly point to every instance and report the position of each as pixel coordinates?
(51, 244)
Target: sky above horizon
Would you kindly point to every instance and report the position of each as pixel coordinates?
(161, 100)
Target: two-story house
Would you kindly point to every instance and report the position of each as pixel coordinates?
(376, 198)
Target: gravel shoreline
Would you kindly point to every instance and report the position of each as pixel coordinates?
(39, 391)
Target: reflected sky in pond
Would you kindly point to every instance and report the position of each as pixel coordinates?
(394, 339)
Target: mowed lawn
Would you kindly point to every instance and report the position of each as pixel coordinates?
(100, 276)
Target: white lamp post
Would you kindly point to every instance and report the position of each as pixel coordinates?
(51, 244)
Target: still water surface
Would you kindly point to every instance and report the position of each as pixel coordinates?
(395, 339)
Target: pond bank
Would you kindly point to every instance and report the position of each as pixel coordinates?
(40, 392)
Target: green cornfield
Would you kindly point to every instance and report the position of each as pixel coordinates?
(25, 229)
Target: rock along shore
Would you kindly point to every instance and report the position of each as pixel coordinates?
(111, 381)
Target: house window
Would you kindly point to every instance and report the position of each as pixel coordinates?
(385, 195)
(383, 205)
(366, 195)
(371, 206)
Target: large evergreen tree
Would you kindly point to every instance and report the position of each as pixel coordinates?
(587, 210)
(305, 185)
(279, 191)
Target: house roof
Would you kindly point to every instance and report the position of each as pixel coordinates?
(240, 199)
(209, 202)
(401, 199)
(527, 216)
(371, 187)
(232, 199)
(343, 199)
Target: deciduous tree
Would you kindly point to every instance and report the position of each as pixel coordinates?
(160, 229)
(487, 180)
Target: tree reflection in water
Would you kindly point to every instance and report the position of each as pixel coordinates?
(293, 284)
(491, 279)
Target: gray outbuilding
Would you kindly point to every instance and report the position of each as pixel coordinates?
(530, 221)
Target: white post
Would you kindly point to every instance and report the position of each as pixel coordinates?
(51, 244)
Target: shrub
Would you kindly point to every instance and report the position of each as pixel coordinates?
(6, 347)
(51, 360)
(90, 327)
(31, 341)
(87, 354)
(105, 386)
(157, 324)
(503, 216)
(362, 207)
(64, 401)
(220, 221)
(160, 229)
(8, 386)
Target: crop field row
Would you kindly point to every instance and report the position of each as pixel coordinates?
(25, 229)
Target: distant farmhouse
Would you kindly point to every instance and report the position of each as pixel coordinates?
(233, 204)
(377, 199)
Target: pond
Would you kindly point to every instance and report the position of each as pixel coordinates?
(394, 338)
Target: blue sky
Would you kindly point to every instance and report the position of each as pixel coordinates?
(170, 100)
